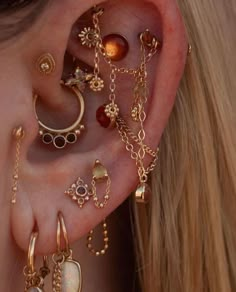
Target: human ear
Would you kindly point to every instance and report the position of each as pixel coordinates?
(48, 173)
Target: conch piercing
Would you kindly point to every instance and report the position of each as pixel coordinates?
(61, 137)
(79, 192)
(18, 134)
(46, 64)
(67, 275)
(34, 280)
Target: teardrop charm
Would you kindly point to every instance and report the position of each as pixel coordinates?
(99, 171)
(143, 193)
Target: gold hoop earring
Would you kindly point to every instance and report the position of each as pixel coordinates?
(34, 280)
(61, 137)
(67, 275)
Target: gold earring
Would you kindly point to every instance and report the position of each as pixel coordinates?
(105, 240)
(61, 137)
(34, 280)
(67, 275)
(18, 134)
(116, 46)
(79, 192)
(90, 37)
(46, 64)
(100, 175)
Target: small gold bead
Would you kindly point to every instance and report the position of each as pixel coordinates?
(106, 246)
(15, 176)
(106, 239)
(97, 253)
(101, 205)
(89, 245)
(19, 132)
(14, 189)
(103, 251)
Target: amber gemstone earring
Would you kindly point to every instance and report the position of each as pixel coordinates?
(116, 46)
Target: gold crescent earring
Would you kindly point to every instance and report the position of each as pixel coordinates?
(61, 137)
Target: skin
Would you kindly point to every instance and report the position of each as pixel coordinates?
(45, 174)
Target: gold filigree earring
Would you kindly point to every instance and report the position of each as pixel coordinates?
(67, 275)
(79, 192)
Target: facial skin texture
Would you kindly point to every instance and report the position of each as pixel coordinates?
(46, 174)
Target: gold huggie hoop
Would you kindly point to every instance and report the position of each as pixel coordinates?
(62, 227)
(31, 255)
(61, 137)
(67, 275)
(34, 281)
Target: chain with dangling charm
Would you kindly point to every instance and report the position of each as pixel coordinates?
(67, 275)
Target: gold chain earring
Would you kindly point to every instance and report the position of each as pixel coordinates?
(100, 175)
(18, 134)
(67, 275)
(34, 280)
(90, 247)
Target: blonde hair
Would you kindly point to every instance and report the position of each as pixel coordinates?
(186, 237)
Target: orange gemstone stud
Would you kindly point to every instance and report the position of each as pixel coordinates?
(116, 46)
(46, 64)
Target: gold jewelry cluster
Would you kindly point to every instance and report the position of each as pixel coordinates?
(109, 49)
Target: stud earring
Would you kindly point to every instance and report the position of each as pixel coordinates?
(18, 134)
(34, 280)
(79, 79)
(116, 46)
(105, 240)
(90, 37)
(100, 175)
(79, 192)
(61, 137)
(46, 64)
(67, 275)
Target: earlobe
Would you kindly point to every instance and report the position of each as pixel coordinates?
(137, 124)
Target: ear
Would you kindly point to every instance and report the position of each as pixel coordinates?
(46, 173)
